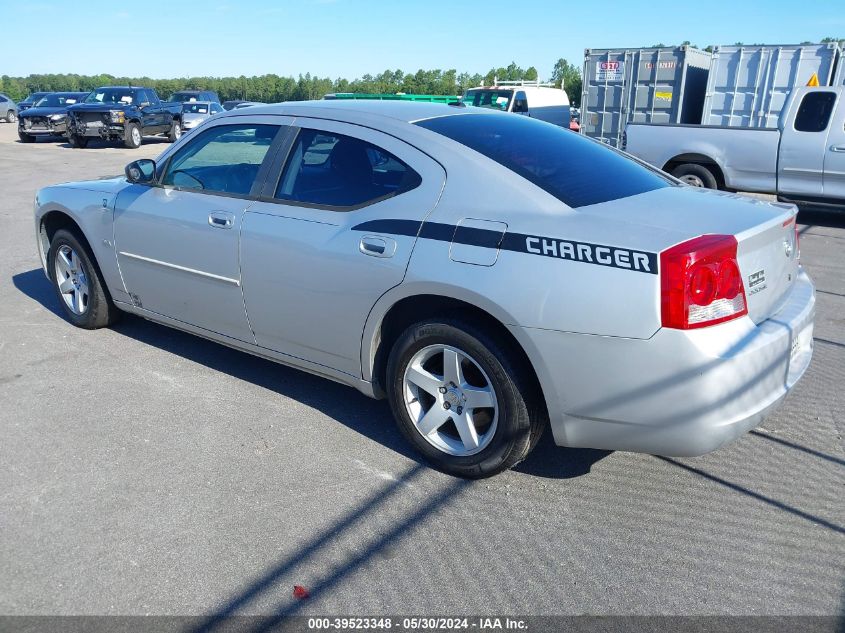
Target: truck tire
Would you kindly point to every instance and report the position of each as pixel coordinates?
(26, 138)
(175, 131)
(74, 140)
(132, 135)
(696, 175)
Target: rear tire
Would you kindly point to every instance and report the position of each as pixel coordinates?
(501, 435)
(132, 136)
(11, 116)
(696, 176)
(26, 138)
(175, 131)
(78, 283)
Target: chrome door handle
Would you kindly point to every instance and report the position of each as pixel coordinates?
(221, 220)
(377, 246)
(837, 148)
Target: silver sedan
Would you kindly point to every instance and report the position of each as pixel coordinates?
(491, 275)
(195, 112)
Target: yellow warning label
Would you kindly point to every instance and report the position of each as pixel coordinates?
(663, 95)
(814, 80)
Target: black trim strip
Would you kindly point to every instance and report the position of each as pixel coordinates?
(584, 252)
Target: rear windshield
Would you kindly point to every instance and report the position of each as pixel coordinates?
(574, 169)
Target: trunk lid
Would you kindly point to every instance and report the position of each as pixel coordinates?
(767, 252)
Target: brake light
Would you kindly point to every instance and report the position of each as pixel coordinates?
(700, 283)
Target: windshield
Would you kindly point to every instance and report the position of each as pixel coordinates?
(576, 170)
(35, 96)
(184, 97)
(111, 95)
(57, 101)
(195, 108)
(488, 98)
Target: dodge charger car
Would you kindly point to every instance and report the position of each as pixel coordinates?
(489, 274)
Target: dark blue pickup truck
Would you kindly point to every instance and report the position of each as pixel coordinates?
(125, 113)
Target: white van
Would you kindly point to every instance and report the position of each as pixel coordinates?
(529, 98)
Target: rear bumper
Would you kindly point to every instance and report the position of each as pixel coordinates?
(679, 392)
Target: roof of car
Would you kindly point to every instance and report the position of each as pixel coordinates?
(408, 111)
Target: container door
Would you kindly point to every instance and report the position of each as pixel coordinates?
(804, 145)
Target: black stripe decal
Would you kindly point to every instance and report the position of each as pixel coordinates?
(584, 252)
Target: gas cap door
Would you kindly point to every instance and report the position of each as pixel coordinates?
(477, 241)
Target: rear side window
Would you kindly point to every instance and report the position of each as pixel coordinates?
(333, 170)
(814, 112)
(577, 171)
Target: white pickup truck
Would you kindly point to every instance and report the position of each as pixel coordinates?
(803, 160)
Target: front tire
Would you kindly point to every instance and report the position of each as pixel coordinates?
(175, 131)
(696, 176)
(11, 116)
(460, 399)
(26, 138)
(74, 140)
(132, 136)
(78, 283)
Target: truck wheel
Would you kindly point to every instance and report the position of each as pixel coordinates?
(26, 138)
(460, 400)
(74, 140)
(695, 175)
(175, 131)
(132, 136)
(11, 116)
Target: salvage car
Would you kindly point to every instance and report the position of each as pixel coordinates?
(30, 101)
(48, 117)
(123, 113)
(489, 274)
(195, 112)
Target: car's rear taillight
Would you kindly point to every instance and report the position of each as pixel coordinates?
(700, 283)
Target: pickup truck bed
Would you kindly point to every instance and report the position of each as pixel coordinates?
(742, 159)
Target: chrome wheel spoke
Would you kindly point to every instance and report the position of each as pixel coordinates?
(77, 302)
(423, 379)
(452, 371)
(479, 397)
(64, 261)
(467, 431)
(66, 286)
(436, 417)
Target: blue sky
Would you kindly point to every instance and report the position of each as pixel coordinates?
(348, 38)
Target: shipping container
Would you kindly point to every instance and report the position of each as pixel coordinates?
(641, 85)
(748, 85)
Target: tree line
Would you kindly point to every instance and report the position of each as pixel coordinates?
(274, 88)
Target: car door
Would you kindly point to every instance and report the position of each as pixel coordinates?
(803, 145)
(332, 234)
(834, 158)
(177, 240)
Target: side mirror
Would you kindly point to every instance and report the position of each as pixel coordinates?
(141, 171)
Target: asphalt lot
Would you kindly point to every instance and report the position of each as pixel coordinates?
(147, 471)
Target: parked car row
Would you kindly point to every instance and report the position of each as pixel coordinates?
(112, 113)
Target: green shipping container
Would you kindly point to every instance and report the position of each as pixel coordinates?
(447, 99)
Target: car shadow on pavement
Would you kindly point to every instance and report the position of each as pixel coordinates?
(371, 418)
(811, 217)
